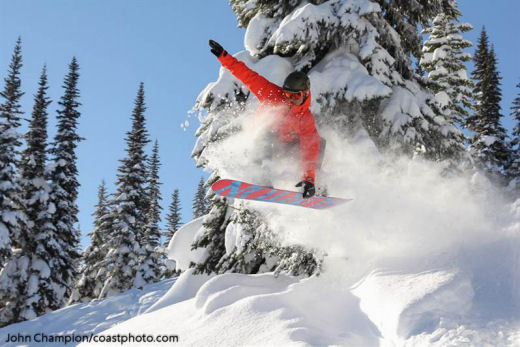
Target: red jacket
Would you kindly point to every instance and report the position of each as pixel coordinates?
(296, 122)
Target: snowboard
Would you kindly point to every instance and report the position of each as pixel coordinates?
(242, 190)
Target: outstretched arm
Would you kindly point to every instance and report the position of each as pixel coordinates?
(258, 85)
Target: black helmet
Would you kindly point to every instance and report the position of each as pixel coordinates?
(296, 81)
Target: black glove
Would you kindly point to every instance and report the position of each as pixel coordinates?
(308, 188)
(217, 49)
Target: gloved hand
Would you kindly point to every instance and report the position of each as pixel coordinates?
(217, 49)
(308, 187)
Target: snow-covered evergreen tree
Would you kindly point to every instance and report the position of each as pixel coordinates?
(11, 206)
(488, 144)
(153, 191)
(33, 162)
(33, 260)
(443, 59)
(212, 237)
(173, 218)
(200, 203)
(173, 223)
(357, 56)
(513, 170)
(150, 266)
(55, 248)
(14, 226)
(129, 207)
(93, 272)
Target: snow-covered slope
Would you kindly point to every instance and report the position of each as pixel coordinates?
(88, 318)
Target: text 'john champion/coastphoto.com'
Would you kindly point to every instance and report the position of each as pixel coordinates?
(64, 339)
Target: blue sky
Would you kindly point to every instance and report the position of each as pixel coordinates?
(163, 43)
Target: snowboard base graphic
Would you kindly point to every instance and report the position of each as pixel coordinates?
(248, 191)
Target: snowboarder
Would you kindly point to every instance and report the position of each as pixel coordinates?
(295, 123)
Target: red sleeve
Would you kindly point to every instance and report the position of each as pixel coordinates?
(258, 85)
(309, 145)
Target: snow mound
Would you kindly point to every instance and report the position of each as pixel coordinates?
(428, 297)
(236, 309)
(184, 288)
(228, 288)
(179, 249)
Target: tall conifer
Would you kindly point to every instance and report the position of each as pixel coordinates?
(173, 223)
(93, 272)
(443, 58)
(15, 230)
(13, 223)
(56, 246)
(488, 144)
(150, 266)
(200, 203)
(513, 170)
(130, 206)
(153, 214)
(34, 158)
(11, 205)
(38, 209)
(173, 218)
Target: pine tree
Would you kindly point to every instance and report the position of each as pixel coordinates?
(34, 159)
(130, 206)
(488, 144)
(13, 221)
(33, 259)
(150, 266)
(55, 247)
(212, 235)
(93, 272)
(480, 59)
(357, 55)
(173, 218)
(444, 60)
(11, 200)
(173, 223)
(513, 170)
(153, 216)
(12, 218)
(200, 204)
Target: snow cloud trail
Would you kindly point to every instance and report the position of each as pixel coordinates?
(404, 208)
